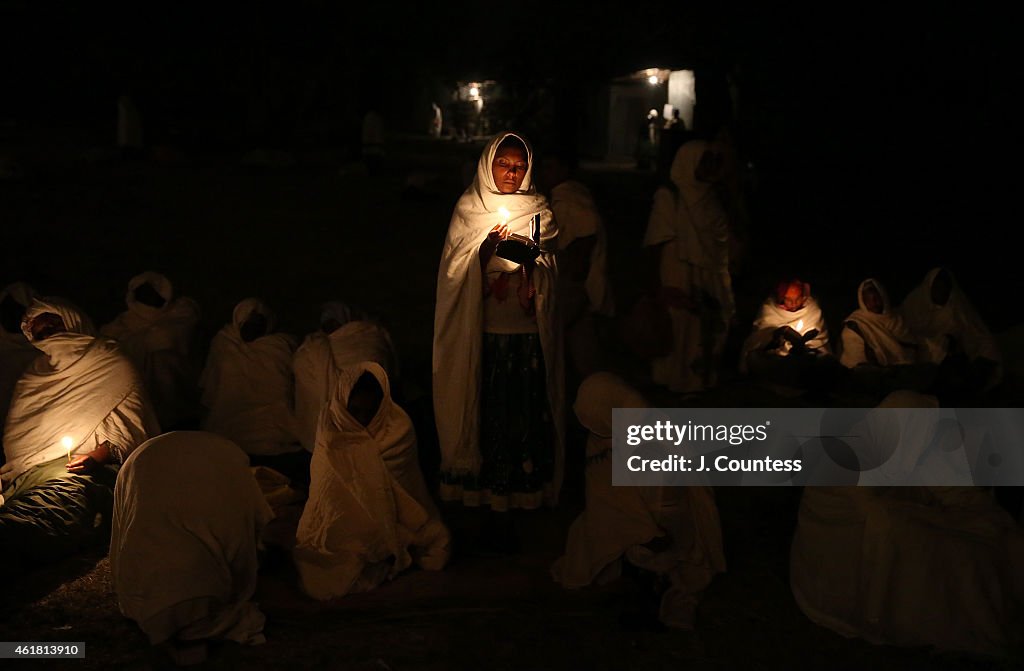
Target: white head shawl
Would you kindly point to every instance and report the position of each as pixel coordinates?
(883, 332)
(458, 316)
(62, 349)
(246, 308)
(702, 228)
(160, 283)
(957, 318)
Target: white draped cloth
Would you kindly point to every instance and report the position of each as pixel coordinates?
(369, 515)
(939, 566)
(577, 217)
(618, 521)
(157, 341)
(82, 388)
(16, 352)
(322, 355)
(957, 317)
(458, 317)
(693, 228)
(885, 334)
(774, 316)
(248, 386)
(187, 520)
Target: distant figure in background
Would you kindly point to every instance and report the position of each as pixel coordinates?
(345, 337)
(912, 566)
(691, 233)
(498, 367)
(875, 335)
(129, 127)
(248, 389)
(373, 141)
(670, 532)
(582, 260)
(369, 515)
(77, 410)
(187, 521)
(16, 351)
(789, 334)
(156, 333)
(437, 123)
(938, 310)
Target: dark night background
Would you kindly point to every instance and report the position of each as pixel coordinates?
(880, 138)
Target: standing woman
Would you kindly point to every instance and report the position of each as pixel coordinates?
(498, 369)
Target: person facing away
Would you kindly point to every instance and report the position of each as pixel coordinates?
(582, 259)
(247, 385)
(369, 515)
(690, 233)
(156, 333)
(497, 364)
(345, 337)
(16, 351)
(183, 558)
(673, 532)
(78, 410)
(790, 322)
(939, 310)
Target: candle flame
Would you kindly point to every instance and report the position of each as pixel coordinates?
(800, 327)
(505, 214)
(67, 442)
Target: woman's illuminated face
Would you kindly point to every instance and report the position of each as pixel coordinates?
(794, 298)
(509, 168)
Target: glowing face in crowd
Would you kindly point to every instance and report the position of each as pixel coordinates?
(794, 298)
(509, 168)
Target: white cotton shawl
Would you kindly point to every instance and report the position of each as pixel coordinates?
(368, 501)
(16, 352)
(577, 216)
(701, 224)
(321, 356)
(144, 329)
(885, 333)
(187, 519)
(70, 392)
(458, 318)
(774, 316)
(618, 519)
(248, 386)
(957, 318)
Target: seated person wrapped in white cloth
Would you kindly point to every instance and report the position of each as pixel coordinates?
(76, 409)
(247, 384)
(874, 334)
(156, 334)
(671, 531)
(183, 557)
(369, 515)
(939, 566)
(16, 352)
(343, 339)
(938, 310)
(789, 319)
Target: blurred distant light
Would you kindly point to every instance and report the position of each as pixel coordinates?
(653, 80)
(474, 91)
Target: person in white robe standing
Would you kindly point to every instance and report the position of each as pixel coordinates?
(156, 333)
(582, 260)
(691, 231)
(497, 364)
(912, 566)
(248, 387)
(673, 532)
(939, 310)
(183, 557)
(77, 411)
(16, 352)
(369, 515)
(344, 338)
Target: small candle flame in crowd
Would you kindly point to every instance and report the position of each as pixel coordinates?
(505, 214)
(67, 442)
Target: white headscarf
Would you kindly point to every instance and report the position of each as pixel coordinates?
(458, 318)
(885, 332)
(145, 328)
(957, 318)
(702, 227)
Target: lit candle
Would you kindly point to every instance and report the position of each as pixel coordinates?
(505, 214)
(67, 442)
(800, 327)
